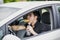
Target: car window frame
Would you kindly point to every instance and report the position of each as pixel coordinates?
(57, 12)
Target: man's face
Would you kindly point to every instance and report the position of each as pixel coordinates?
(31, 17)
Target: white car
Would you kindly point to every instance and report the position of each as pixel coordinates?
(10, 12)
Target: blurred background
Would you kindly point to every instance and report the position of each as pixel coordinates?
(7, 1)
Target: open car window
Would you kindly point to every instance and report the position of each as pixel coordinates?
(18, 26)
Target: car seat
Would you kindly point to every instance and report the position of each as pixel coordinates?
(46, 18)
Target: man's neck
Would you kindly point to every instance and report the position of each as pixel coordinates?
(33, 23)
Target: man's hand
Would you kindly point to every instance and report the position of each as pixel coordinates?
(30, 29)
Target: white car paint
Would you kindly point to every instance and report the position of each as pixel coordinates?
(54, 35)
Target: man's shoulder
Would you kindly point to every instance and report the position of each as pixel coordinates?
(46, 27)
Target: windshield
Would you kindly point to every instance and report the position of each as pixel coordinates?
(6, 11)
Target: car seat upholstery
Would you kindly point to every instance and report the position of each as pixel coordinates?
(46, 18)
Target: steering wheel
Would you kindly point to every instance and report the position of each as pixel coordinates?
(11, 31)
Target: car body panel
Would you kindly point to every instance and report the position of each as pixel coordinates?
(29, 4)
(52, 35)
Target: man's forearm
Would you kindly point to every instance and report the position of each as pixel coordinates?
(34, 33)
(21, 28)
(18, 27)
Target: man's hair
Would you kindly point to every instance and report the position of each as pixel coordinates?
(35, 13)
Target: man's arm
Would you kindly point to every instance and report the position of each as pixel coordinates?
(17, 27)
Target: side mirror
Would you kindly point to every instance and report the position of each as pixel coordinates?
(1, 34)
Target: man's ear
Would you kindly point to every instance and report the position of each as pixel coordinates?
(36, 17)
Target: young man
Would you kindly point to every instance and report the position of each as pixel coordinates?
(35, 26)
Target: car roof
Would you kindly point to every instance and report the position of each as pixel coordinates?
(29, 3)
(23, 7)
